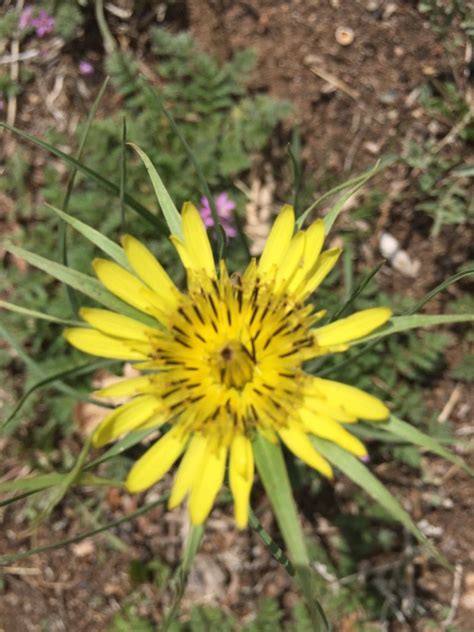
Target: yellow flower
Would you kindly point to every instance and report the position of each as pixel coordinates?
(225, 361)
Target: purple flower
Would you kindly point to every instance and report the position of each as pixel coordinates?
(25, 18)
(43, 23)
(225, 207)
(86, 68)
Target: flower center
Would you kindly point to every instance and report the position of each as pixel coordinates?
(233, 365)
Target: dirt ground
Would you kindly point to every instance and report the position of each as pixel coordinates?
(353, 103)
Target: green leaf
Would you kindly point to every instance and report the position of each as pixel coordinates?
(193, 541)
(93, 175)
(272, 470)
(25, 311)
(355, 183)
(173, 218)
(407, 432)
(72, 176)
(108, 246)
(270, 544)
(362, 476)
(55, 479)
(404, 323)
(87, 285)
(131, 439)
(200, 174)
(439, 288)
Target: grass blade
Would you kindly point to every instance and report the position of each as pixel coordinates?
(221, 238)
(123, 175)
(359, 289)
(105, 244)
(172, 217)
(193, 541)
(408, 433)
(25, 311)
(362, 476)
(107, 185)
(272, 470)
(87, 285)
(73, 299)
(355, 183)
(439, 288)
(270, 544)
(399, 324)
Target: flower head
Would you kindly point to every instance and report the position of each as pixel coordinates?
(43, 23)
(225, 207)
(85, 67)
(25, 18)
(223, 361)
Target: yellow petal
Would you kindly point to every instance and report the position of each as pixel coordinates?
(124, 388)
(327, 428)
(298, 442)
(314, 239)
(154, 464)
(116, 325)
(353, 400)
(293, 261)
(207, 484)
(278, 240)
(353, 327)
(241, 469)
(325, 264)
(150, 271)
(98, 344)
(125, 418)
(328, 408)
(125, 286)
(196, 240)
(188, 470)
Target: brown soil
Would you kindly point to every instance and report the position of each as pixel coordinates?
(352, 104)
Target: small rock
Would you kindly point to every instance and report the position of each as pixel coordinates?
(344, 35)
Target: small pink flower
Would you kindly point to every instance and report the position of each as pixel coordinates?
(225, 207)
(25, 18)
(86, 68)
(44, 23)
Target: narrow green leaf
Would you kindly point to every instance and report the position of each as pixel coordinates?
(67, 481)
(25, 311)
(355, 184)
(76, 371)
(93, 175)
(131, 439)
(439, 288)
(123, 175)
(409, 433)
(221, 238)
(193, 541)
(270, 544)
(404, 323)
(272, 470)
(45, 481)
(362, 476)
(72, 176)
(87, 285)
(359, 289)
(39, 371)
(105, 244)
(172, 217)
(8, 559)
